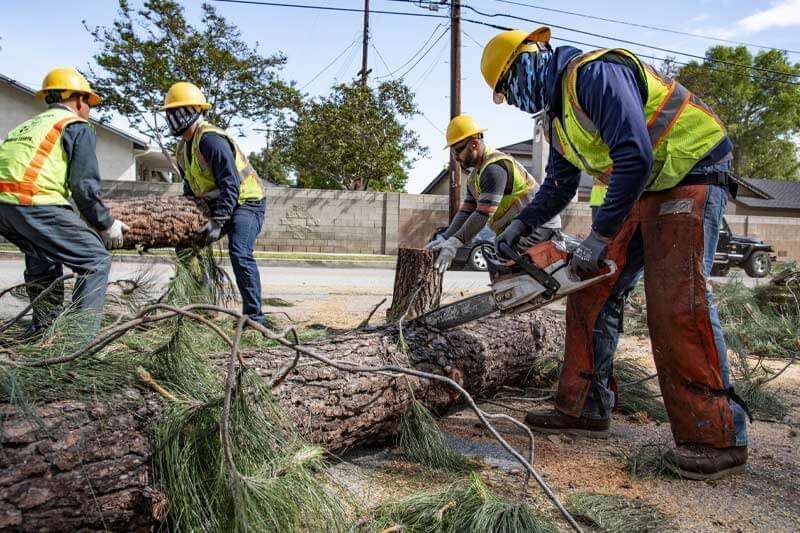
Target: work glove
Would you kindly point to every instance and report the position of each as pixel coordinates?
(447, 252)
(211, 232)
(511, 236)
(112, 236)
(589, 255)
(436, 242)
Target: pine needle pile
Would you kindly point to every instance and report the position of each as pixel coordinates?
(422, 441)
(648, 461)
(462, 507)
(616, 514)
(760, 324)
(638, 391)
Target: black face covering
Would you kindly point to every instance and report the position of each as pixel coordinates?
(180, 118)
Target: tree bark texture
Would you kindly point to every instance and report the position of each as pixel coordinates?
(160, 222)
(415, 278)
(86, 466)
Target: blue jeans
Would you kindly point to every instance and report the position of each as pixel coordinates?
(609, 322)
(242, 230)
(52, 236)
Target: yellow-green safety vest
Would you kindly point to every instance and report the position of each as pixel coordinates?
(198, 174)
(682, 128)
(33, 163)
(522, 191)
(598, 194)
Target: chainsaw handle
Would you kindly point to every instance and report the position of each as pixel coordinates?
(525, 264)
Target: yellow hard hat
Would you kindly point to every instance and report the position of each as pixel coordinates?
(461, 127)
(68, 80)
(183, 94)
(501, 51)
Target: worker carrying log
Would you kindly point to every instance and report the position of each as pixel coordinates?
(666, 158)
(498, 188)
(215, 169)
(45, 162)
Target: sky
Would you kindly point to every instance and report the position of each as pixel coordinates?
(36, 35)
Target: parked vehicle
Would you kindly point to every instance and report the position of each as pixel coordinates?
(751, 254)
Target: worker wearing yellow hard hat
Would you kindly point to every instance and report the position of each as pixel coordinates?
(215, 169)
(608, 114)
(497, 189)
(44, 163)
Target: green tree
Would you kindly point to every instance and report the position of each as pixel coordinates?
(146, 50)
(760, 109)
(355, 138)
(272, 161)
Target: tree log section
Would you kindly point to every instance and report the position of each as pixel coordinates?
(160, 221)
(88, 467)
(415, 278)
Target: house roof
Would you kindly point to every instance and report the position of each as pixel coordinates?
(138, 143)
(439, 177)
(774, 194)
(522, 147)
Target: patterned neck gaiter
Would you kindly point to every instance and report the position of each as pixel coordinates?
(525, 81)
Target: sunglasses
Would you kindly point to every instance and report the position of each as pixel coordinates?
(458, 149)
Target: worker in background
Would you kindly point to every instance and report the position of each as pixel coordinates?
(498, 188)
(666, 158)
(44, 162)
(215, 169)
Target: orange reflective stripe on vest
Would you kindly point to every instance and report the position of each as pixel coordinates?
(27, 188)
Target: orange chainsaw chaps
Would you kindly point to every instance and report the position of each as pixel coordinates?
(678, 318)
(583, 308)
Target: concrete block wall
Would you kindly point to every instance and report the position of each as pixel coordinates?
(322, 221)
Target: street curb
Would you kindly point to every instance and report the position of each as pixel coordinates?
(271, 262)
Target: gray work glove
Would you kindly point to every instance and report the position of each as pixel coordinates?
(511, 236)
(112, 236)
(447, 252)
(589, 255)
(211, 232)
(435, 243)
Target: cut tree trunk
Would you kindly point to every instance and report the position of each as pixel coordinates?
(417, 285)
(159, 221)
(86, 466)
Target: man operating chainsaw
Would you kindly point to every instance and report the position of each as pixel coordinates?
(498, 188)
(666, 159)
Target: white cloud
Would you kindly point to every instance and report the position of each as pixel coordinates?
(701, 17)
(781, 15)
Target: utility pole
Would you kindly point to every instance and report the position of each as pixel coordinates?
(365, 44)
(455, 99)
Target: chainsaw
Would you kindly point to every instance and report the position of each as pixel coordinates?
(529, 281)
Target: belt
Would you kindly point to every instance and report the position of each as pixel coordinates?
(722, 179)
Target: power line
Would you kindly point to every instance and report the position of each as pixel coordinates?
(329, 65)
(471, 38)
(372, 43)
(430, 69)
(652, 47)
(445, 32)
(645, 26)
(503, 28)
(410, 59)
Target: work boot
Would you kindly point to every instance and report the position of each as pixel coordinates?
(707, 463)
(554, 422)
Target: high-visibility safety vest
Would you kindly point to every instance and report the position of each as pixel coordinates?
(598, 194)
(682, 128)
(522, 190)
(33, 162)
(198, 174)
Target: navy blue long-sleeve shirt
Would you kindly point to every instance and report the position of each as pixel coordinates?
(609, 92)
(83, 175)
(221, 159)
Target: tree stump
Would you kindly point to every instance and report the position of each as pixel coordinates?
(417, 285)
(160, 222)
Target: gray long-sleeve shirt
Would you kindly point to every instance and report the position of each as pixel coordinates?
(83, 175)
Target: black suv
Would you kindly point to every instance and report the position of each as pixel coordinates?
(750, 253)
